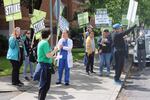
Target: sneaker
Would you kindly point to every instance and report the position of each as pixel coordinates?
(67, 84)
(93, 72)
(21, 83)
(31, 77)
(58, 83)
(108, 74)
(26, 78)
(17, 84)
(118, 82)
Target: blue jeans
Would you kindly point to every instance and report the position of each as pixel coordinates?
(26, 63)
(104, 61)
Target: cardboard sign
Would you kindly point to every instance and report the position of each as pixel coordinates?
(101, 17)
(12, 10)
(83, 19)
(37, 20)
(63, 23)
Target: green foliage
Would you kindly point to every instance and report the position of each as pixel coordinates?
(78, 54)
(116, 8)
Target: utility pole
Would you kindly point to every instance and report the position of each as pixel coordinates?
(51, 22)
(11, 25)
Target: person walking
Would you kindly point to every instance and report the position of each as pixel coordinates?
(42, 72)
(15, 54)
(65, 45)
(90, 50)
(141, 52)
(105, 44)
(119, 45)
(27, 61)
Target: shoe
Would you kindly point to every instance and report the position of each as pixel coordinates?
(93, 72)
(21, 83)
(67, 84)
(26, 78)
(17, 84)
(31, 77)
(108, 74)
(58, 83)
(118, 82)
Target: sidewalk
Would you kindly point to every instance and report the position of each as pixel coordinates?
(83, 87)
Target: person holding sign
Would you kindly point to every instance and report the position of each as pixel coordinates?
(42, 72)
(16, 54)
(90, 49)
(65, 45)
(119, 45)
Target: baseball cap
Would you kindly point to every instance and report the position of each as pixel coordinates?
(117, 26)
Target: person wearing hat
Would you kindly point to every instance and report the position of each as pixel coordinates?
(42, 72)
(65, 45)
(119, 46)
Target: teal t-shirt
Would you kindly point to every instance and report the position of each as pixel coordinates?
(42, 50)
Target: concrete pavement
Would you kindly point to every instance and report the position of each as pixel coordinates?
(83, 87)
(137, 86)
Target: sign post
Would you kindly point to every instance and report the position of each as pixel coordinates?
(132, 11)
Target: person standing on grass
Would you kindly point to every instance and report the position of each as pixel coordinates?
(90, 50)
(27, 61)
(15, 54)
(105, 44)
(65, 45)
(42, 72)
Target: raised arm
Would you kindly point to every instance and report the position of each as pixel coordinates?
(128, 31)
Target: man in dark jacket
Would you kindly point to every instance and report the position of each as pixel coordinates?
(119, 45)
(104, 44)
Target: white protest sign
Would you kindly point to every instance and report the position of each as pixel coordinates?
(132, 10)
(101, 17)
(39, 26)
(63, 23)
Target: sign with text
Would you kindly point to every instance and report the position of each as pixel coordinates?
(12, 10)
(101, 17)
(63, 23)
(83, 19)
(37, 20)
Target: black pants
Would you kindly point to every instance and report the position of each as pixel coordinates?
(90, 59)
(15, 71)
(119, 63)
(43, 91)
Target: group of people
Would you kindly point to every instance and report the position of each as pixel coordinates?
(111, 47)
(21, 50)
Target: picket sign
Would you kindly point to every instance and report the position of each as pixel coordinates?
(12, 10)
